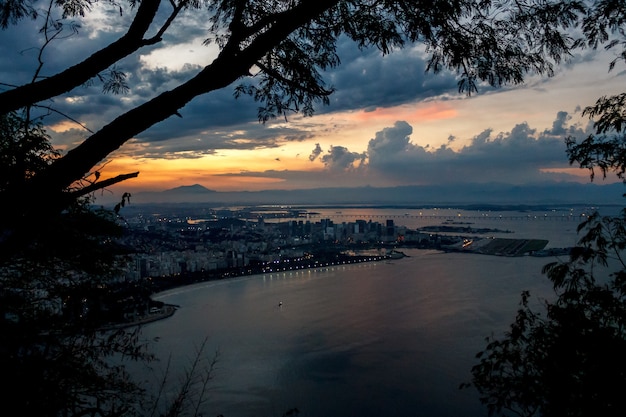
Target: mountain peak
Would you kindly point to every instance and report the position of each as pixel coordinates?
(191, 189)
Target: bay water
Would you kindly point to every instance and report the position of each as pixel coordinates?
(388, 338)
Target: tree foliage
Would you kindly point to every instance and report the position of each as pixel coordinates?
(277, 52)
(567, 359)
(60, 302)
(56, 361)
(25, 150)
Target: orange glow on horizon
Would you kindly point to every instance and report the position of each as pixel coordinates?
(147, 181)
(218, 173)
(582, 175)
(227, 169)
(424, 113)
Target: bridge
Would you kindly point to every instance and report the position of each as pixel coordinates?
(450, 217)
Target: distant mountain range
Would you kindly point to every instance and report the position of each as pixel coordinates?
(461, 194)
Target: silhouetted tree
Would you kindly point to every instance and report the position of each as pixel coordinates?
(52, 356)
(568, 358)
(25, 150)
(58, 288)
(276, 52)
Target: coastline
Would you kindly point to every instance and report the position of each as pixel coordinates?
(166, 311)
(489, 246)
(167, 283)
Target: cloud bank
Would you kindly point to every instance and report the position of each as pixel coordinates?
(393, 157)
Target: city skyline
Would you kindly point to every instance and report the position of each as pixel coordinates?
(388, 123)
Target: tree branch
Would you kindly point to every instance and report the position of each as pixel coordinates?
(102, 184)
(275, 74)
(67, 116)
(177, 8)
(229, 66)
(78, 74)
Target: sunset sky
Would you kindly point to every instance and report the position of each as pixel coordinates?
(389, 123)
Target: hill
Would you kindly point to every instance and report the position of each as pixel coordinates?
(462, 194)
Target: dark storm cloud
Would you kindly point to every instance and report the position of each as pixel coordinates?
(204, 127)
(339, 158)
(215, 111)
(250, 136)
(20, 44)
(315, 152)
(391, 141)
(19, 48)
(147, 81)
(366, 79)
(168, 150)
(363, 80)
(18, 57)
(559, 124)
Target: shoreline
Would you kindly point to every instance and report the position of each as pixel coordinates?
(166, 311)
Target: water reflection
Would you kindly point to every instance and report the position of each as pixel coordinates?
(369, 339)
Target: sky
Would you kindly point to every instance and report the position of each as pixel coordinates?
(389, 123)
